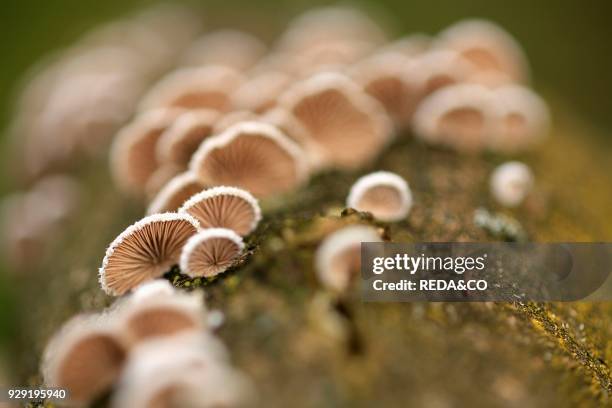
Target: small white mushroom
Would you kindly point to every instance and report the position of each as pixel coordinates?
(85, 357)
(145, 251)
(386, 195)
(338, 258)
(510, 183)
(210, 252)
(224, 207)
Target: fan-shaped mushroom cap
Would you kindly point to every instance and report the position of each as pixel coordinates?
(232, 48)
(487, 46)
(350, 126)
(510, 183)
(85, 357)
(525, 118)
(178, 143)
(194, 88)
(153, 312)
(261, 91)
(160, 178)
(174, 194)
(437, 69)
(196, 374)
(132, 157)
(338, 258)
(230, 119)
(330, 24)
(210, 252)
(386, 195)
(251, 155)
(385, 77)
(224, 207)
(461, 116)
(329, 57)
(145, 251)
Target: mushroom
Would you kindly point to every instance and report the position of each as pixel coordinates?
(411, 46)
(230, 119)
(384, 76)
(525, 119)
(210, 252)
(251, 155)
(161, 177)
(207, 87)
(178, 190)
(132, 157)
(232, 48)
(224, 207)
(144, 251)
(510, 183)
(462, 116)
(350, 126)
(386, 195)
(85, 357)
(178, 143)
(196, 373)
(260, 92)
(338, 258)
(156, 310)
(488, 47)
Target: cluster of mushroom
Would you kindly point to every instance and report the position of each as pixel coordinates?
(73, 102)
(204, 236)
(31, 218)
(152, 348)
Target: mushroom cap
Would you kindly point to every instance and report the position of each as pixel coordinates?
(261, 92)
(487, 46)
(210, 252)
(330, 24)
(510, 183)
(196, 374)
(144, 251)
(194, 88)
(174, 194)
(525, 119)
(329, 57)
(384, 76)
(85, 357)
(153, 312)
(160, 178)
(386, 195)
(462, 116)
(132, 157)
(224, 207)
(411, 45)
(436, 69)
(251, 155)
(179, 141)
(338, 258)
(350, 126)
(236, 49)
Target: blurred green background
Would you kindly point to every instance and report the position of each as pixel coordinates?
(569, 44)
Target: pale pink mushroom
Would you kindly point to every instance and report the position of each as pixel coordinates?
(210, 252)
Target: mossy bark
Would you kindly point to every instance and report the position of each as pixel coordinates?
(303, 347)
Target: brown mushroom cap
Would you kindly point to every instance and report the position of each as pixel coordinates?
(232, 48)
(224, 207)
(85, 357)
(178, 143)
(160, 178)
(210, 252)
(145, 251)
(487, 46)
(251, 155)
(338, 258)
(133, 153)
(350, 126)
(437, 69)
(194, 88)
(386, 195)
(174, 194)
(158, 312)
(230, 119)
(384, 76)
